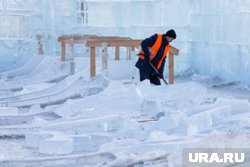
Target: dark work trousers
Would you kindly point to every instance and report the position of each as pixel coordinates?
(154, 79)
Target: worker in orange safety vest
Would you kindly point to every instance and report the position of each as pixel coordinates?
(154, 50)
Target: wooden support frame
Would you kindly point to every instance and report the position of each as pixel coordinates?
(128, 43)
(111, 41)
(92, 62)
(117, 53)
(63, 56)
(77, 39)
(173, 51)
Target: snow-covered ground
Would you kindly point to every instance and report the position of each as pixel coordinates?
(114, 120)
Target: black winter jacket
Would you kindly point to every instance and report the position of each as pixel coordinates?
(149, 42)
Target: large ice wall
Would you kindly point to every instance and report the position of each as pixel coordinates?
(212, 35)
(20, 23)
(220, 39)
(134, 18)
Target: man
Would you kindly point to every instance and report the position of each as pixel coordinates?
(154, 50)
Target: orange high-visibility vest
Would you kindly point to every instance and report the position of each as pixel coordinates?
(154, 49)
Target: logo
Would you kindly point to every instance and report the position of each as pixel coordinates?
(214, 157)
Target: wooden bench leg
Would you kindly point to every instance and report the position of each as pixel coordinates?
(117, 53)
(92, 62)
(171, 69)
(63, 57)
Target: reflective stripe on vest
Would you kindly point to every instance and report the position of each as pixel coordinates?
(154, 49)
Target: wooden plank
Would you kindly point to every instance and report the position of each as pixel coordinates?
(117, 53)
(92, 62)
(103, 39)
(81, 39)
(171, 68)
(173, 50)
(71, 52)
(113, 43)
(110, 38)
(66, 38)
(63, 56)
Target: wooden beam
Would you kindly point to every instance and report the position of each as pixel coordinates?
(113, 43)
(81, 39)
(66, 38)
(173, 50)
(71, 57)
(92, 62)
(171, 68)
(63, 56)
(117, 53)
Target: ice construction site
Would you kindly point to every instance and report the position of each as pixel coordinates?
(70, 94)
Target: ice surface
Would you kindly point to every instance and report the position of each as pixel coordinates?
(89, 143)
(79, 126)
(240, 106)
(121, 134)
(152, 107)
(198, 123)
(5, 111)
(72, 82)
(32, 63)
(37, 121)
(204, 121)
(33, 139)
(120, 69)
(110, 96)
(34, 88)
(85, 143)
(54, 145)
(132, 129)
(36, 108)
(220, 114)
(48, 70)
(177, 94)
(127, 149)
(171, 121)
